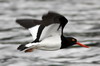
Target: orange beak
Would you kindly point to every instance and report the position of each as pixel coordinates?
(82, 45)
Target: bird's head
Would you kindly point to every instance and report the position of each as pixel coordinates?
(71, 41)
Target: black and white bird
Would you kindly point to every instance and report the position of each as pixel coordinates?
(47, 33)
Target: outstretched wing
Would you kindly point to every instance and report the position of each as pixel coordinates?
(46, 27)
(31, 24)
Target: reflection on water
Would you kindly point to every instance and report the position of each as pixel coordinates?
(83, 16)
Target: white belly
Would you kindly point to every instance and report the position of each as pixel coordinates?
(50, 43)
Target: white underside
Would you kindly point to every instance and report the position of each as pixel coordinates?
(49, 40)
(50, 43)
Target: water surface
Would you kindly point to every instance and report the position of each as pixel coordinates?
(84, 24)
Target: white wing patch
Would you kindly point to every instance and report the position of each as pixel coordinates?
(50, 31)
(34, 31)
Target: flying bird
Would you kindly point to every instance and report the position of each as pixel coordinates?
(47, 33)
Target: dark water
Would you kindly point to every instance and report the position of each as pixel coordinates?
(84, 24)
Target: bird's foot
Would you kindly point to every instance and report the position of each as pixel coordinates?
(29, 50)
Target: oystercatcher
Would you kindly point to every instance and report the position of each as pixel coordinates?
(47, 33)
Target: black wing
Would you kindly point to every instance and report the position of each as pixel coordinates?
(41, 29)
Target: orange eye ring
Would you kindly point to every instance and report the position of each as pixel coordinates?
(73, 39)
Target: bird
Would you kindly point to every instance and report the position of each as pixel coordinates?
(47, 33)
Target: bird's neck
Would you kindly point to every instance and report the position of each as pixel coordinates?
(63, 44)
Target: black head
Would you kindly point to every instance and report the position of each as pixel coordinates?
(69, 41)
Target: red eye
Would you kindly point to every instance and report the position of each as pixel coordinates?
(73, 39)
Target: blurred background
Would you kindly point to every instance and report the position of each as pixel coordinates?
(84, 24)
